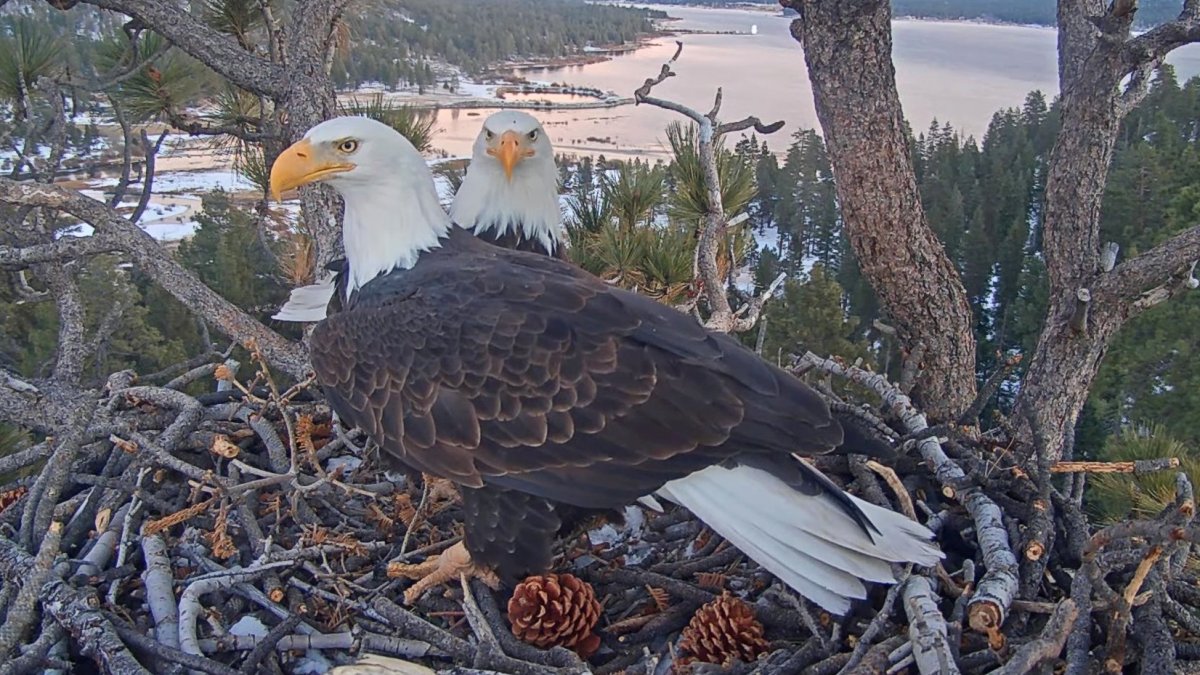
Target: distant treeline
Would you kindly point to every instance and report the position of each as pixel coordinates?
(1039, 12)
(397, 41)
(1034, 12)
(392, 38)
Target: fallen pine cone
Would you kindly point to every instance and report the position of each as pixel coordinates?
(723, 631)
(555, 610)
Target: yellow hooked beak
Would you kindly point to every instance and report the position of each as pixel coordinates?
(300, 165)
(509, 152)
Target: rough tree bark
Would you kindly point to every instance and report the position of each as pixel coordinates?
(1089, 299)
(848, 48)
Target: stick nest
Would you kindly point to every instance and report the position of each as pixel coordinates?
(244, 530)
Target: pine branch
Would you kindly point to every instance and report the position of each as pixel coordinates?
(722, 316)
(211, 47)
(195, 127)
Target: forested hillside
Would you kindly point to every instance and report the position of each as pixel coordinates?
(1149, 13)
(478, 34)
(983, 199)
(397, 42)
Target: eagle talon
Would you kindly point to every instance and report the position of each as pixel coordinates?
(453, 563)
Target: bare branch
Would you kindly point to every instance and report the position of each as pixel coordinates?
(1079, 316)
(1138, 86)
(126, 151)
(993, 597)
(76, 610)
(151, 152)
(1046, 647)
(722, 317)
(642, 95)
(159, 265)
(25, 404)
(72, 349)
(22, 613)
(749, 123)
(927, 628)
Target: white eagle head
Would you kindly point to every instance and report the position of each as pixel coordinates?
(392, 208)
(512, 182)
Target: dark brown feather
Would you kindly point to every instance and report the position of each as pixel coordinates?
(522, 374)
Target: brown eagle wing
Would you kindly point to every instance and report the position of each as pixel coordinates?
(523, 372)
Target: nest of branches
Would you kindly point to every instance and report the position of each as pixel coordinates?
(243, 530)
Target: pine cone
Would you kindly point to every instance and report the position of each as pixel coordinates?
(555, 610)
(723, 631)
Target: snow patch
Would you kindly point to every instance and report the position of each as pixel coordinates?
(313, 663)
(346, 463)
(171, 231)
(249, 626)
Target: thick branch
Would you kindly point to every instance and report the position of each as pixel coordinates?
(993, 596)
(1049, 645)
(927, 628)
(26, 405)
(76, 611)
(72, 349)
(1170, 261)
(211, 47)
(159, 265)
(64, 249)
(1154, 45)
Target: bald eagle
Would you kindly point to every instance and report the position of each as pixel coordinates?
(509, 197)
(546, 394)
(510, 193)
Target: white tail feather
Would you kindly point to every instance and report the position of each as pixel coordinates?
(808, 541)
(307, 304)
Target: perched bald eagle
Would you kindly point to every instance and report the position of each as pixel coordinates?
(510, 193)
(546, 394)
(509, 197)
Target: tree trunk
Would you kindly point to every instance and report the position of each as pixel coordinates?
(848, 48)
(307, 101)
(1069, 352)
(1088, 303)
(307, 105)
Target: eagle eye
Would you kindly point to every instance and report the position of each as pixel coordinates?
(348, 146)
(533, 135)
(487, 133)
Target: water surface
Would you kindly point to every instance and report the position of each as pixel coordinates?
(960, 73)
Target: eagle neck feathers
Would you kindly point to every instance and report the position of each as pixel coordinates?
(389, 227)
(488, 203)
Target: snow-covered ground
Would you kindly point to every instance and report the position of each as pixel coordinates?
(202, 181)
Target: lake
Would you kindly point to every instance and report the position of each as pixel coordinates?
(954, 72)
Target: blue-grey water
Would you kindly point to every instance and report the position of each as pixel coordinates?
(954, 72)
